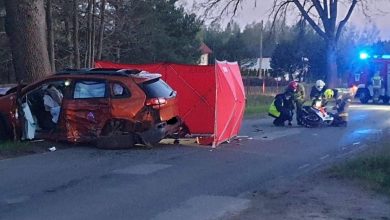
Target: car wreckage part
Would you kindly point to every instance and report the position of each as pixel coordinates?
(116, 134)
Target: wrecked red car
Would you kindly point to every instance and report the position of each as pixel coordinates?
(111, 107)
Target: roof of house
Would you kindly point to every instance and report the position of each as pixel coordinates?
(254, 64)
(205, 49)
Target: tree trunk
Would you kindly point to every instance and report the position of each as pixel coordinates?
(88, 51)
(93, 35)
(101, 30)
(331, 63)
(50, 32)
(67, 5)
(69, 40)
(76, 47)
(26, 29)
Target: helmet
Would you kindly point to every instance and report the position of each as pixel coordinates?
(328, 93)
(320, 85)
(292, 86)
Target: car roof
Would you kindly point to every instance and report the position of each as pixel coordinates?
(104, 73)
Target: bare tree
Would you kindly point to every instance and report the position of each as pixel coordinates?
(90, 50)
(67, 6)
(321, 15)
(76, 47)
(93, 35)
(50, 34)
(101, 29)
(26, 29)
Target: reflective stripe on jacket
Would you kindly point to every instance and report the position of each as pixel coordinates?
(273, 111)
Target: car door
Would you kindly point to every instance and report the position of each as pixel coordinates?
(86, 112)
(36, 120)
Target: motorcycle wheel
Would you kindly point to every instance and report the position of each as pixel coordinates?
(311, 121)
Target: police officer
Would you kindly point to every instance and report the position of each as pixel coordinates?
(282, 108)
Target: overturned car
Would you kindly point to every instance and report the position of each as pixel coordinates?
(114, 108)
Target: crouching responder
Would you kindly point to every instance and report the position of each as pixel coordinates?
(328, 96)
(342, 107)
(282, 108)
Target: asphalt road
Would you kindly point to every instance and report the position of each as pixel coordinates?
(177, 181)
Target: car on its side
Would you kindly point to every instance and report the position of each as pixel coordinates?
(114, 108)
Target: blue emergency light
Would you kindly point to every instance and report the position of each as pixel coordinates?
(364, 55)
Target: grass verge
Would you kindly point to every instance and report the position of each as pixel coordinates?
(10, 149)
(257, 105)
(373, 169)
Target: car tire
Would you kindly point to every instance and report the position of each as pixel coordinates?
(116, 136)
(386, 100)
(364, 97)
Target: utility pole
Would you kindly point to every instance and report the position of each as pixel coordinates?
(261, 49)
(261, 56)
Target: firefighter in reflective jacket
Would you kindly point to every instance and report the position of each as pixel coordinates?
(282, 108)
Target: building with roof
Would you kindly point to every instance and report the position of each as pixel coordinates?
(254, 64)
(205, 51)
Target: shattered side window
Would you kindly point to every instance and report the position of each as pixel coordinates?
(89, 89)
(119, 91)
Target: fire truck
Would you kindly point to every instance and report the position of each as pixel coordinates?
(369, 78)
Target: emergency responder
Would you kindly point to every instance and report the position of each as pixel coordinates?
(328, 96)
(282, 108)
(317, 91)
(299, 94)
(342, 106)
(376, 87)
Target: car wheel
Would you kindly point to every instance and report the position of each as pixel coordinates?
(386, 100)
(364, 97)
(115, 136)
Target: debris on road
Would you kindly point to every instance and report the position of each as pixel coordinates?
(51, 149)
(37, 140)
(258, 130)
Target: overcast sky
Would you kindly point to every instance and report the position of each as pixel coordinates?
(379, 13)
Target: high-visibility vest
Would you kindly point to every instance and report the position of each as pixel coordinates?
(376, 81)
(273, 111)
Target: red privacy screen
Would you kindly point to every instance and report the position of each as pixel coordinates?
(211, 98)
